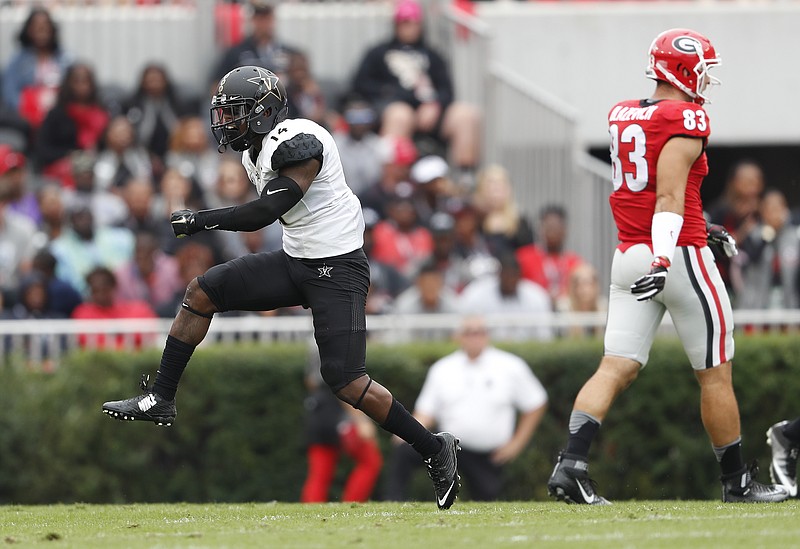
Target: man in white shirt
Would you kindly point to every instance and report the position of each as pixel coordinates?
(477, 393)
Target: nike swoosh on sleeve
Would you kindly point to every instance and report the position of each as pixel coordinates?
(206, 227)
(273, 191)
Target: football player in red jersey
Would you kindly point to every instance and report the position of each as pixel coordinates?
(663, 263)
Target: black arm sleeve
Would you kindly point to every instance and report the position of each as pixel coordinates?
(278, 197)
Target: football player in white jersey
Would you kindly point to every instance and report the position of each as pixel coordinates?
(295, 167)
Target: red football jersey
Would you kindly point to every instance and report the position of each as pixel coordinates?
(638, 130)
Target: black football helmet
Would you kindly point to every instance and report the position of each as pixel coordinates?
(249, 102)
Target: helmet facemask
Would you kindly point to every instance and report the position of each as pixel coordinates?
(705, 82)
(230, 123)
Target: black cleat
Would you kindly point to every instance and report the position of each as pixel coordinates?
(741, 487)
(783, 468)
(570, 482)
(443, 470)
(149, 406)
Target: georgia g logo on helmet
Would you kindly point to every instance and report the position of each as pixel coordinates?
(687, 44)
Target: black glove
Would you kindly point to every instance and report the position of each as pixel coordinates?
(184, 223)
(647, 286)
(722, 240)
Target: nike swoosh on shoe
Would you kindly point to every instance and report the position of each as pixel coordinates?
(586, 497)
(442, 501)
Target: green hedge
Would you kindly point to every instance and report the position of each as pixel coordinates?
(239, 433)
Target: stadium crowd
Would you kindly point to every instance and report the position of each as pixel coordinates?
(89, 179)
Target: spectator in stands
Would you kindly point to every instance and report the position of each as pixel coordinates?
(142, 205)
(151, 276)
(507, 294)
(548, 263)
(103, 304)
(34, 300)
(457, 271)
(409, 84)
(34, 304)
(306, 99)
(333, 429)
(360, 148)
(583, 296)
(154, 109)
(398, 154)
(470, 243)
(50, 198)
(400, 240)
(34, 73)
(75, 123)
(16, 179)
(16, 232)
(260, 48)
(84, 246)
(429, 294)
(490, 398)
(108, 208)
(194, 259)
(737, 209)
(385, 282)
(503, 226)
(178, 192)
(62, 296)
(121, 157)
(435, 189)
(190, 153)
(765, 272)
(231, 186)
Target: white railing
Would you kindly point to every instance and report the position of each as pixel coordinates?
(43, 343)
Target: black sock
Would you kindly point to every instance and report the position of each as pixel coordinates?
(399, 422)
(731, 461)
(580, 439)
(173, 361)
(792, 430)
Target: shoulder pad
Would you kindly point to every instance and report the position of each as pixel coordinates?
(300, 147)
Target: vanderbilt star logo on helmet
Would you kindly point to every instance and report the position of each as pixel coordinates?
(270, 83)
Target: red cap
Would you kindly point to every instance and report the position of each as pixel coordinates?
(405, 152)
(407, 10)
(10, 159)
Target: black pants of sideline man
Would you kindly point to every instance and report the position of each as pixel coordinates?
(482, 479)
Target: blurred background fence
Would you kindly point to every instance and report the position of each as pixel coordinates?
(42, 344)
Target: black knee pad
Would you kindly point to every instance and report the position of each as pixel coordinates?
(337, 376)
(333, 374)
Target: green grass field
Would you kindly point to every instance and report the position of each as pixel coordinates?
(647, 524)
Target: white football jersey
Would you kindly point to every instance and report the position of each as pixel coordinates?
(328, 220)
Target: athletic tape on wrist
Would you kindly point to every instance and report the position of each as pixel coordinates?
(664, 232)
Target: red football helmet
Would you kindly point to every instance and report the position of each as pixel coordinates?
(682, 58)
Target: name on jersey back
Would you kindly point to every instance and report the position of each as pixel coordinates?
(621, 113)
